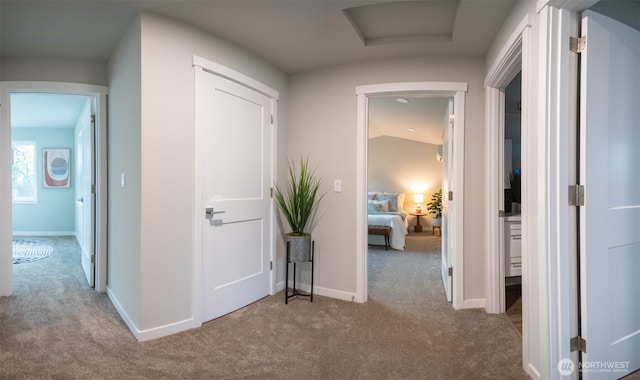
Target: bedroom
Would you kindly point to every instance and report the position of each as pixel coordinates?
(404, 164)
(52, 175)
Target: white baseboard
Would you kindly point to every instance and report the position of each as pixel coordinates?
(317, 290)
(332, 293)
(44, 233)
(533, 372)
(279, 287)
(148, 334)
(477, 303)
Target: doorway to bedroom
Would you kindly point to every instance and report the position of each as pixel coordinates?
(405, 195)
(52, 178)
(58, 178)
(452, 229)
(404, 190)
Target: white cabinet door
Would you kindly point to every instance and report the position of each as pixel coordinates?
(610, 171)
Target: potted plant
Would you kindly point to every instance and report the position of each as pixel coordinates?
(435, 208)
(298, 203)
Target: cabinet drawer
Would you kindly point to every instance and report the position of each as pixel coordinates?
(513, 271)
(515, 248)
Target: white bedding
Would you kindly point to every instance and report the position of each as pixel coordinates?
(398, 223)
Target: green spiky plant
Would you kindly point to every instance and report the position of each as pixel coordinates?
(300, 199)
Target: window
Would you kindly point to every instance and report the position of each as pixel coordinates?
(23, 172)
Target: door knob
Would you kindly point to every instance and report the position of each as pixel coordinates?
(209, 212)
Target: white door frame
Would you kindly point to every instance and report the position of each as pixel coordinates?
(100, 94)
(203, 64)
(556, 129)
(455, 90)
(549, 272)
(514, 57)
(509, 62)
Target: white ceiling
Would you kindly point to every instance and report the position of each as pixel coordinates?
(421, 119)
(46, 110)
(294, 35)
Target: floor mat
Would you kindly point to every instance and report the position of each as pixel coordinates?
(26, 251)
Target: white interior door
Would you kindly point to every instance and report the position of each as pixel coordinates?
(447, 168)
(236, 182)
(610, 227)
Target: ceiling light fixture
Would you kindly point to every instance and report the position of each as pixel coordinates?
(402, 100)
(412, 129)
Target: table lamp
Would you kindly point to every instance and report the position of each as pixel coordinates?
(418, 198)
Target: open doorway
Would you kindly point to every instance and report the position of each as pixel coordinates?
(512, 201)
(404, 207)
(56, 171)
(52, 174)
(454, 257)
(507, 172)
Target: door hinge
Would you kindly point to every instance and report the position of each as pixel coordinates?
(450, 271)
(270, 265)
(577, 44)
(578, 343)
(576, 195)
(93, 258)
(500, 213)
(271, 194)
(451, 195)
(271, 119)
(93, 189)
(93, 118)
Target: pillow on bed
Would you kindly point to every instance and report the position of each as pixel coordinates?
(396, 201)
(372, 195)
(378, 206)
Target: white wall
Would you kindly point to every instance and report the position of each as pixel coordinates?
(520, 10)
(399, 165)
(53, 70)
(151, 139)
(323, 125)
(124, 267)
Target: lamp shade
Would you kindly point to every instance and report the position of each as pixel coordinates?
(418, 198)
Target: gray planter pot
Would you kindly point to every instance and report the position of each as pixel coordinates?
(299, 247)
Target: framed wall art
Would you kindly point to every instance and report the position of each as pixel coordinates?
(56, 168)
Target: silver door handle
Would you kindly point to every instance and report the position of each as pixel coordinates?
(209, 213)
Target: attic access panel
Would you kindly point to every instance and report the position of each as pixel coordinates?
(406, 21)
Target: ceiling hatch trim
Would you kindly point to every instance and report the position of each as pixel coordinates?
(404, 22)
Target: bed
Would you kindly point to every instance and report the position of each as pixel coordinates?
(386, 209)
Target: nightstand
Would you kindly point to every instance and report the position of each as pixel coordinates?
(418, 226)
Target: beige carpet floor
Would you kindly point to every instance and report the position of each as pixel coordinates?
(513, 303)
(55, 327)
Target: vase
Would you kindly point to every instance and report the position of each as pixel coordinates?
(299, 247)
